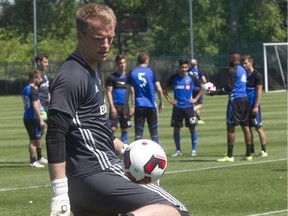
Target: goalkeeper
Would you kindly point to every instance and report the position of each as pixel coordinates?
(83, 167)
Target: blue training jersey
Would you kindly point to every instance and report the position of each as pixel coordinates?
(142, 79)
(236, 82)
(29, 94)
(183, 89)
(118, 82)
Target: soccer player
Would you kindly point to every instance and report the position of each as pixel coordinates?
(183, 103)
(254, 92)
(83, 166)
(144, 82)
(237, 108)
(32, 120)
(115, 88)
(194, 70)
(42, 65)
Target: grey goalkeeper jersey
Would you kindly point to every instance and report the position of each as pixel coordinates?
(77, 91)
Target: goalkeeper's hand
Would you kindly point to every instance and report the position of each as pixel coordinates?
(60, 204)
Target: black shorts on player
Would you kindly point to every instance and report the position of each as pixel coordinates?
(142, 113)
(238, 112)
(178, 114)
(98, 193)
(33, 128)
(124, 122)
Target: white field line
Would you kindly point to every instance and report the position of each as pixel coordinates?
(228, 164)
(171, 172)
(269, 213)
(23, 188)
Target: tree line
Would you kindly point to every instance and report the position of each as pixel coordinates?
(163, 28)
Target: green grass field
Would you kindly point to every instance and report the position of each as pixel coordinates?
(206, 187)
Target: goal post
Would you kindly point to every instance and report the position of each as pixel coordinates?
(275, 66)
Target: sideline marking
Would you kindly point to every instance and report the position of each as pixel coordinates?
(219, 167)
(268, 213)
(23, 188)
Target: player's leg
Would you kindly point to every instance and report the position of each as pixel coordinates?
(139, 123)
(38, 134)
(191, 122)
(230, 128)
(197, 108)
(242, 116)
(110, 192)
(152, 121)
(31, 127)
(261, 134)
(252, 140)
(125, 123)
(177, 123)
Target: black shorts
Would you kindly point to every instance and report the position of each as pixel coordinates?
(142, 113)
(178, 114)
(112, 192)
(238, 112)
(124, 122)
(34, 130)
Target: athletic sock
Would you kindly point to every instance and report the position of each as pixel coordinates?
(39, 153)
(263, 146)
(155, 138)
(124, 137)
(248, 150)
(252, 148)
(230, 151)
(194, 138)
(176, 137)
(198, 116)
(32, 160)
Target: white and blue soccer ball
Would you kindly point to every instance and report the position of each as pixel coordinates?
(144, 161)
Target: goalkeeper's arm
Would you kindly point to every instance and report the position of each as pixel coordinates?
(58, 126)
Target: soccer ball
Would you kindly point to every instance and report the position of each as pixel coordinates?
(208, 87)
(144, 161)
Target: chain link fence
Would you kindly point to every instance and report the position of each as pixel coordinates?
(14, 76)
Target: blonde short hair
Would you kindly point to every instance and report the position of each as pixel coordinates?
(92, 11)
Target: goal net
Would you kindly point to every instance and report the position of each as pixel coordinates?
(275, 66)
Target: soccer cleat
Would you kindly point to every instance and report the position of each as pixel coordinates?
(201, 122)
(226, 159)
(36, 164)
(247, 158)
(43, 161)
(262, 154)
(177, 153)
(193, 153)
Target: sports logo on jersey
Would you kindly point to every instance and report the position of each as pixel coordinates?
(187, 87)
(121, 83)
(103, 109)
(243, 78)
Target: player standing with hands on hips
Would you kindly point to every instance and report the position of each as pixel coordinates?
(183, 85)
(237, 108)
(83, 166)
(254, 92)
